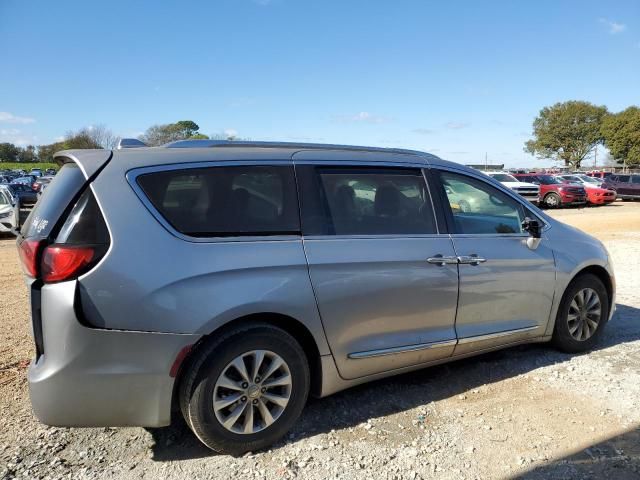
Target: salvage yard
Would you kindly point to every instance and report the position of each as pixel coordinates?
(526, 412)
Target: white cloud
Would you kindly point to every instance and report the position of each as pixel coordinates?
(423, 131)
(456, 125)
(17, 137)
(361, 117)
(613, 27)
(230, 132)
(7, 117)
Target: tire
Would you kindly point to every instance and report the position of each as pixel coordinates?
(563, 337)
(199, 385)
(552, 200)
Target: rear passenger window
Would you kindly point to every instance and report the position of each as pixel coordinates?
(226, 201)
(635, 179)
(376, 202)
(622, 178)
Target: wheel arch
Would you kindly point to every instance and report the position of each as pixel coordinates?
(600, 271)
(294, 327)
(602, 274)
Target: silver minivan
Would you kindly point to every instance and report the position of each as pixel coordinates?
(227, 281)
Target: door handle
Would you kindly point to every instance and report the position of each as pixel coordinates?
(442, 261)
(472, 259)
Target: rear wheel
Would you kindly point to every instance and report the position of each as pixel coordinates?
(582, 314)
(244, 391)
(552, 200)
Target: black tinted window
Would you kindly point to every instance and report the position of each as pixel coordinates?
(226, 201)
(85, 224)
(622, 178)
(635, 179)
(55, 199)
(375, 201)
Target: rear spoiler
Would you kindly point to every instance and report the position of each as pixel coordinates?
(89, 161)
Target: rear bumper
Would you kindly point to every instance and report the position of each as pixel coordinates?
(90, 377)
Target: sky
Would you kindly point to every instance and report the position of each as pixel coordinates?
(459, 79)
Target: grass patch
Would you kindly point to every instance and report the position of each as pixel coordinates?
(27, 166)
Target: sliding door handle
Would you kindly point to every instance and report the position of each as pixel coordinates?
(442, 261)
(472, 259)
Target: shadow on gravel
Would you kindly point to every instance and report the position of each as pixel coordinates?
(404, 392)
(615, 458)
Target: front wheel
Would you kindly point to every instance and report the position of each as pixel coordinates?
(582, 314)
(552, 200)
(246, 389)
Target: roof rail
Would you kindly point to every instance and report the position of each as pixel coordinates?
(307, 146)
(130, 143)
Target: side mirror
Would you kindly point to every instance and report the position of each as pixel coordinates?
(532, 226)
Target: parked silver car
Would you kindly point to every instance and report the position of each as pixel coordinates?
(9, 210)
(233, 279)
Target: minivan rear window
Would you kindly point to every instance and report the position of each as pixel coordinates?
(55, 199)
(226, 201)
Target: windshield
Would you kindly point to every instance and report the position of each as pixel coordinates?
(588, 179)
(503, 177)
(548, 180)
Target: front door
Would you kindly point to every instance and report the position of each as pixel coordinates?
(506, 287)
(386, 282)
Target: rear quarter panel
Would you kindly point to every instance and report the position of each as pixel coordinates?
(151, 280)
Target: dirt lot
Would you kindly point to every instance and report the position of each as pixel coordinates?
(527, 412)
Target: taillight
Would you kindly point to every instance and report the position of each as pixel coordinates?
(28, 251)
(64, 262)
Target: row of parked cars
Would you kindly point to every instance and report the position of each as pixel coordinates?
(19, 189)
(560, 190)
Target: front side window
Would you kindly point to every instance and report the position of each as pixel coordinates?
(478, 208)
(376, 201)
(226, 201)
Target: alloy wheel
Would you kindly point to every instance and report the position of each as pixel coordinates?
(252, 392)
(585, 312)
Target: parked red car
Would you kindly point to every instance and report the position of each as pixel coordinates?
(595, 195)
(553, 192)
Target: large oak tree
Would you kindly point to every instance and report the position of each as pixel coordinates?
(621, 133)
(567, 132)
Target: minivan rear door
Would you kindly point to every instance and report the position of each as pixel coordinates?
(385, 280)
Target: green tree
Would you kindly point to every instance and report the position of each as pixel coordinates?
(567, 132)
(170, 132)
(621, 132)
(45, 152)
(8, 152)
(27, 154)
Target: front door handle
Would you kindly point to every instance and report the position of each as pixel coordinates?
(472, 259)
(442, 261)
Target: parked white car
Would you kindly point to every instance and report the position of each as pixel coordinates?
(530, 191)
(9, 211)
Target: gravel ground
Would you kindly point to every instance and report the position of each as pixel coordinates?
(526, 412)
